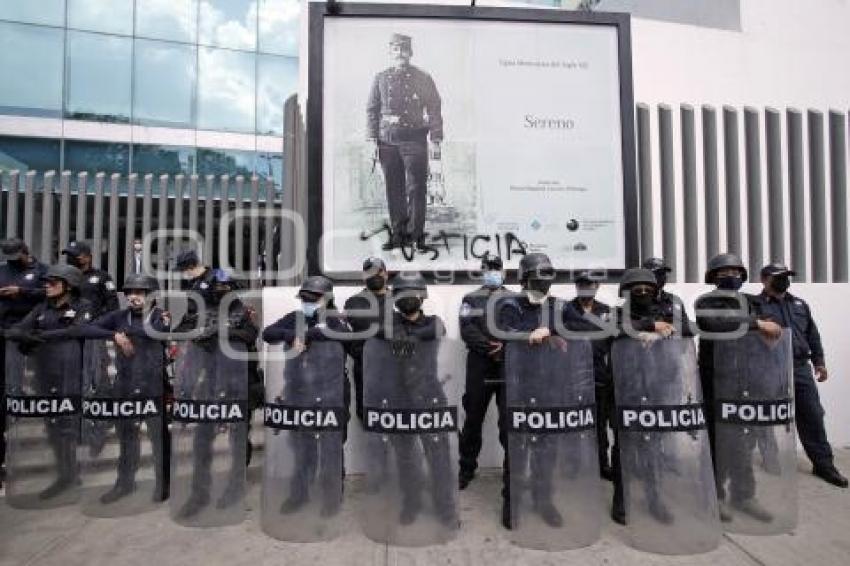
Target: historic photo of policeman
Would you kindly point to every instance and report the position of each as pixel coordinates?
(398, 129)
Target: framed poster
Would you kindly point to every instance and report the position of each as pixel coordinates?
(437, 134)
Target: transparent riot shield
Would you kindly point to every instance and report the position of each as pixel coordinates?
(209, 435)
(304, 416)
(755, 440)
(556, 501)
(124, 439)
(43, 412)
(670, 498)
(411, 442)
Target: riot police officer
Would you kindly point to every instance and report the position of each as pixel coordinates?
(46, 334)
(97, 286)
(585, 314)
(793, 313)
(316, 321)
(668, 302)
(727, 310)
(484, 366)
(365, 311)
(21, 289)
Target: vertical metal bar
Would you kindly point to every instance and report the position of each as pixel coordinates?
(46, 251)
(223, 235)
(644, 180)
(12, 205)
(162, 224)
(130, 226)
(838, 184)
(732, 163)
(689, 191)
(179, 184)
(97, 220)
(193, 204)
(668, 189)
(270, 215)
(711, 182)
(817, 194)
(29, 207)
(796, 194)
(254, 234)
(752, 159)
(82, 205)
(147, 209)
(112, 240)
(239, 226)
(209, 228)
(64, 210)
(775, 206)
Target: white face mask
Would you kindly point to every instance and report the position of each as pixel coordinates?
(137, 247)
(309, 309)
(493, 278)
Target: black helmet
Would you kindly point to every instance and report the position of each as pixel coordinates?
(724, 261)
(409, 281)
(535, 262)
(583, 277)
(317, 285)
(637, 276)
(187, 259)
(140, 282)
(491, 263)
(72, 276)
(656, 264)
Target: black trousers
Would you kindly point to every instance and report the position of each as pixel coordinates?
(2, 401)
(130, 449)
(202, 454)
(809, 415)
(484, 380)
(405, 167)
(316, 457)
(604, 414)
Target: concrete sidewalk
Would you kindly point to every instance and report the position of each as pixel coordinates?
(64, 537)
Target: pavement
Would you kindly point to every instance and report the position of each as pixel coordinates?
(65, 537)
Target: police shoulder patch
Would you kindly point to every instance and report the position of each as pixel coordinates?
(204, 285)
(94, 279)
(29, 276)
(110, 286)
(465, 309)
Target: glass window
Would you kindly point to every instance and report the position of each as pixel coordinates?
(114, 16)
(31, 60)
(279, 26)
(277, 80)
(98, 77)
(162, 159)
(228, 23)
(225, 162)
(96, 157)
(226, 90)
(270, 166)
(164, 83)
(167, 19)
(27, 154)
(47, 12)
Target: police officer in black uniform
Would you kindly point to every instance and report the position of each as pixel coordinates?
(365, 312)
(316, 321)
(669, 303)
(585, 314)
(484, 366)
(47, 334)
(97, 286)
(21, 289)
(403, 111)
(792, 312)
(126, 327)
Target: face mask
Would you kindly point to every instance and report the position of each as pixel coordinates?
(16, 263)
(309, 309)
(641, 302)
(137, 247)
(493, 278)
(780, 283)
(75, 261)
(730, 282)
(375, 282)
(408, 305)
(539, 286)
(661, 279)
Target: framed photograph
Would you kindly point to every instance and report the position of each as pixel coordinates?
(439, 134)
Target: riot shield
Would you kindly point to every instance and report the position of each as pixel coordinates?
(411, 443)
(668, 482)
(304, 416)
(124, 441)
(755, 441)
(555, 496)
(209, 435)
(43, 412)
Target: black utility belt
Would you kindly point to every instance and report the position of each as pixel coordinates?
(410, 421)
(551, 420)
(303, 419)
(42, 406)
(394, 134)
(661, 418)
(754, 413)
(125, 408)
(184, 411)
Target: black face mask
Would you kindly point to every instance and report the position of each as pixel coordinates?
(375, 282)
(73, 261)
(729, 282)
(641, 303)
(17, 263)
(540, 286)
(408, 305)
(780, 283)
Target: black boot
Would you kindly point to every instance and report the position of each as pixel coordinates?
(550, 514)
(830, 474)
(464, 478)
(233, 493)
(58, 487)
(119, 490)
(409, 512)
(293, 503)
(196, 502)
(507, 519)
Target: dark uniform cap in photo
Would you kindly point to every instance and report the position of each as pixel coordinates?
(186, 259)
(776, 269)
(409, 281)
(67, 273)
(637, 276)
(586, 277)
(76, 249)
(316, 285)
(656, 264)
(140, 282)
(535, 262)
(373, 265)
(401, 40)
(12, 247)
(724, 261)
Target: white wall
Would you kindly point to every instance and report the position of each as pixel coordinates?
(445, 301)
